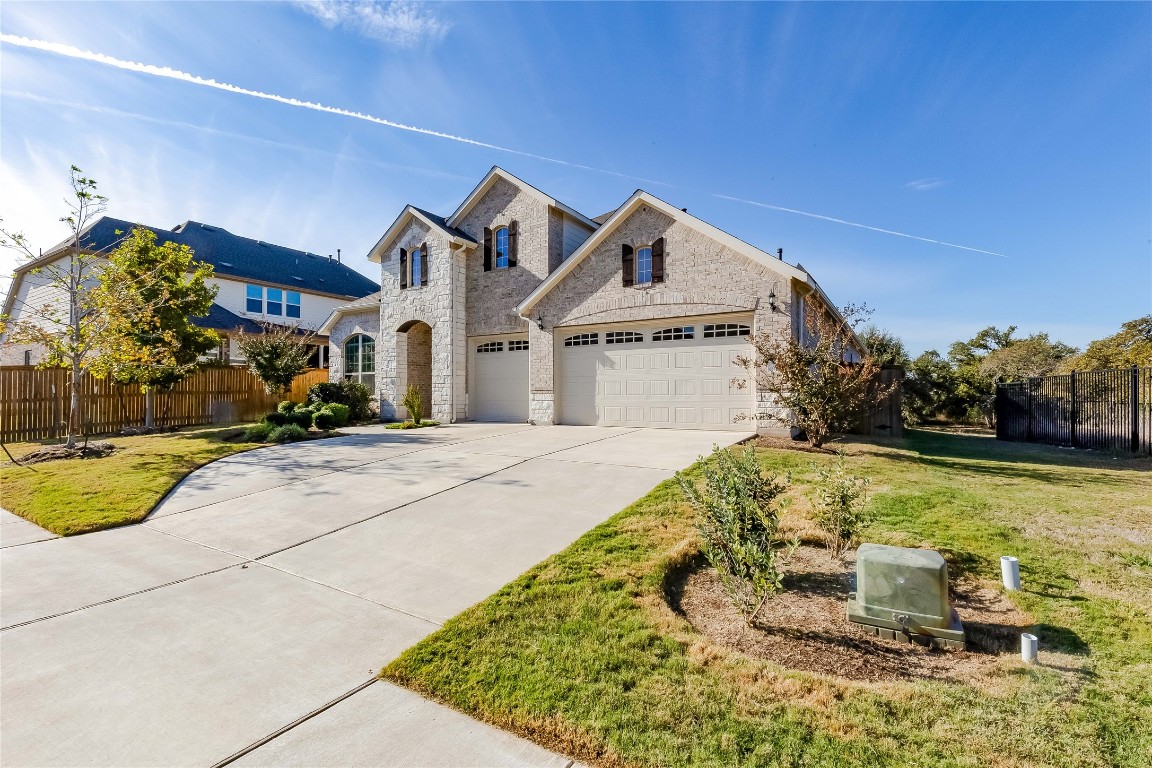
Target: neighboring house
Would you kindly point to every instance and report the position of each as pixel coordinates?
(257, 282)
(518, 308)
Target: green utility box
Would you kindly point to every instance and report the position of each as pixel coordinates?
(902, 594)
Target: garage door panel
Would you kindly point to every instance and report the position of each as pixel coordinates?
(685, 383)
(499, 390)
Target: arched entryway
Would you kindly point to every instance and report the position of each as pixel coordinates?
(414, 341)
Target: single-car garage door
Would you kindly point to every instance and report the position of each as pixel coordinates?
(500, 381)
(680, 374)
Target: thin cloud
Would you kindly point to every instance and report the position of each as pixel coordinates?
(401, 23)
(925, 185)
(69, 51)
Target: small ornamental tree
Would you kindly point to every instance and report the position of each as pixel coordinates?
(414, 403)
(151, 293)
(812, 377)
(839, 502)
(738, 517)
(276, 356)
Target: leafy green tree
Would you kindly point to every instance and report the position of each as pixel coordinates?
(276, 356)
(929, 386)
(974, 392)
(1026, 358)
(884, 346)
(1131, 345)
(150, 293)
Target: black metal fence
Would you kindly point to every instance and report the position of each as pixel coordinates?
(1109, 410)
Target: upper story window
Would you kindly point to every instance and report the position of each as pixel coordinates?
(501, 246)
(254, 299)
(718, 330)
(643, 265)
(414, 267)
(275, 303)
(292, 304)
(675, 334)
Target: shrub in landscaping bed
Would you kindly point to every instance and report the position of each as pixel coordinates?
(289, 433)
(412, 424)
(323, 420)
(258, 433)
(276, 418)
(350, 393)
(286, 406)
(339, 412)
(301, 417)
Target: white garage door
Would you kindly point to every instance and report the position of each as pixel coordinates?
(680, 374)
(500, 380)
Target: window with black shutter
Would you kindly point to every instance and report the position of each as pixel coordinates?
(627, 265)
(487, 249)
(658, 261)
(403, 268)
(513, 242)
(423, 264)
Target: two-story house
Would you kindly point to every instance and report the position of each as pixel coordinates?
(517, 307)
(256, 282)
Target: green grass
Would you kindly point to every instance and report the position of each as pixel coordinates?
(582, 653)
(83, 495)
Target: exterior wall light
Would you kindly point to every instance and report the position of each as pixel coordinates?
(540, 323)
(772, 300)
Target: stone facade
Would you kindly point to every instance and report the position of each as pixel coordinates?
(350, 324)
(701, 276)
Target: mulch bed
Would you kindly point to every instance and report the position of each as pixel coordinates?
(96, 450)
(805, 627)
(788, 444)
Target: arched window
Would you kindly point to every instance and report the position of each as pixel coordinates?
(500, 240)
(360, 360)
(644, 265)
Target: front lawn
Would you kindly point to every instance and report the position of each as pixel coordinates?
(583, 653)
(82, 495)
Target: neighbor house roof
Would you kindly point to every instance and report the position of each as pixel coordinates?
(498, 173)
(365, 304)
(220, 319)
(239, 257)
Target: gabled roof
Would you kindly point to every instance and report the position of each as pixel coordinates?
(220, 319)
(431, 220)
(498, 173)
(235, 256)
(639, 198)
(365, 304)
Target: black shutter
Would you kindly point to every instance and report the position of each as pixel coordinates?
(628, 264)
(513, 242)
(487, 249)
(424, 264)
(658, 261)
(403, 268)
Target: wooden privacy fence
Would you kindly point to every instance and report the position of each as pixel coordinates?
(1109, 410)
(34, 402)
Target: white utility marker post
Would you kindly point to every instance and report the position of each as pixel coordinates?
(1028, 646)
(1010, 572)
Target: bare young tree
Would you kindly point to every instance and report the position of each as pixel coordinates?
(819, 378)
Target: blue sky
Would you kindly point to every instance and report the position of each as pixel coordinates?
(1021, 129)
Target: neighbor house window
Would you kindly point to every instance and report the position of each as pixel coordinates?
(255, 299)
(275, 302)
(717, 330)
(360, 360)
(675, 334)
(292, 304)
(644, 265)
(501, 247)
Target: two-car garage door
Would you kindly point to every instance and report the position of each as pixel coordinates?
(680, 374)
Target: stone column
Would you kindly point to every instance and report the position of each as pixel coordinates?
(541, 375)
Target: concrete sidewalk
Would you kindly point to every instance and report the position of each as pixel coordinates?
(261, 596)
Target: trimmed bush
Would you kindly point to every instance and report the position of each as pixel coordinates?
(350, 393)
(276, 418)
(258, 433)
(840, 505)
(323, 420)
(300, 417)
(339, 413)
(289, 433)
(286, 406)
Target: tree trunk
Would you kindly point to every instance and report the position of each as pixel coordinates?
(149, 408)
(73, 407)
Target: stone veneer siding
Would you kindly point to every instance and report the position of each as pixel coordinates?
(701, 276)
(367, 322)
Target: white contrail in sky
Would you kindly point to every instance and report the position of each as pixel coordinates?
(69, 51)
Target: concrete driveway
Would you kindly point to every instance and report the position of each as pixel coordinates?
(244, 620)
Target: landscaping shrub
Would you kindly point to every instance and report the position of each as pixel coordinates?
(323, 420)
(350, 393)
(276, 418)
(839, 503)
(738, 519)
(286, 406)
(258, 433)
(339, 413)
(300, 417)
(414, 403)
(289, 433)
